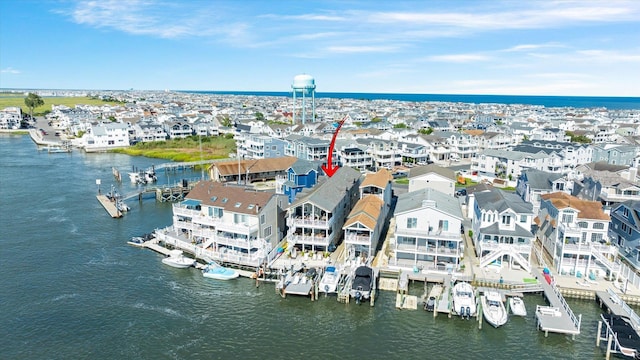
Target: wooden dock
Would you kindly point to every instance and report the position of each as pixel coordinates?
(110, 206)
(615, 305)
(557, 317)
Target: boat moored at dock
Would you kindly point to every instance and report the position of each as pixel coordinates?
(493, 308)
(362, 284)
(177, 260)
(516, 304)
(216, 271)
(329, 280)
(464, 299)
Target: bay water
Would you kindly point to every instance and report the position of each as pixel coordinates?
(71, 288)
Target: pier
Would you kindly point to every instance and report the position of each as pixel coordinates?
(164, 193)
(110, 206)
(557, 317)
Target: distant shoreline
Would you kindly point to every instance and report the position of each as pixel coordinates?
(549, 101)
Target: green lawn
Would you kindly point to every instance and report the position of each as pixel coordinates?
(11, 99)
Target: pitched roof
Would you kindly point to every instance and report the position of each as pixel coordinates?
(587, 209)
(540, 180)
(499, 200)
(328, 193)
(379, 179)
(254, 165)
(366, 211)
(230, 198)
(416, 200)
(432, 168)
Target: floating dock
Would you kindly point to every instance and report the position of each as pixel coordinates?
(110, 206)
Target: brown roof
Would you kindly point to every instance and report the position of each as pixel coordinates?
(587, 209)
(254, 165)
(230, 198)
(380, 179)
(473, 132)
(366, 212)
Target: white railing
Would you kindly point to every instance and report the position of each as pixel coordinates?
(434, 234)
(310, 240)
(358, 239)
(300, 222)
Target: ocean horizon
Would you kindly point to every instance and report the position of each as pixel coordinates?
(550, 101)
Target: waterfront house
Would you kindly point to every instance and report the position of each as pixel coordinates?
(179, 129)
(501, 228)
(316, 217)
(307, 148)
(624, 231)
(247, 171)
(434, 177)
(427, 231)
(106, 136)
(384, 153)
(257, 146)
(363, 227)
(354, 156)
(574, 233)
(231, 224)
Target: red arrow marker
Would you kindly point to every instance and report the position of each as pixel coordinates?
(329, 169)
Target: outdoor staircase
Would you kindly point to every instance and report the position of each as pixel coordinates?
(490, 257)
(613, 267)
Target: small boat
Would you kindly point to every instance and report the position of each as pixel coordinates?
(516, 304)
(139, 241)
(216, 271)
(177, 260)
(493, 308)
(627, 340)
(329, 281)
(362, 284)
(464, 299)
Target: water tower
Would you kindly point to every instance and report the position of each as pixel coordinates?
(304, 85)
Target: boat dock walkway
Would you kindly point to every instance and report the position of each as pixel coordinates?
(443, 304)
(617, 306)
(557, 317)
(110, 206)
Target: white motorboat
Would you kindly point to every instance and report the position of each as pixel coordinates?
(329, 281)
(177, 260)
(464, 299)
(139, 241)
(516, 304)
(493, 308)
(216, 271)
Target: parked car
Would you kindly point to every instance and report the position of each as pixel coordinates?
(461, 192)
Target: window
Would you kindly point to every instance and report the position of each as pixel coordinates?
(583, 224)
(596, 237)
(523, 218)
(443, 225)
(267, 231)
(506, 220)
(567, 218)
(262, 219)
(412, 223)
(625, 211)
(598, 226)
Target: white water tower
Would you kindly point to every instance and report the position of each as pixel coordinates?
(304, 85)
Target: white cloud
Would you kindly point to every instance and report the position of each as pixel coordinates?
(10, 70)
(360, 49)
(529, 47)
(608, 56)
(459, 58)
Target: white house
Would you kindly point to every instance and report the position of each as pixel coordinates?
(434, 177)
(105, 136)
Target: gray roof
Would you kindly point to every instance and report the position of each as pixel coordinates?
(328, 193)
(432, 168)
(414, 200)
(302, 166)
(540, 180)
(496, 199)
(494, 229)
(512, 155)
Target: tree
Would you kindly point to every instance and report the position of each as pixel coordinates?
(400, 126)
(426, 131)
(33, 101)
(259, 116)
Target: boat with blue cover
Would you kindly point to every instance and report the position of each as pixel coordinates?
(216, 271)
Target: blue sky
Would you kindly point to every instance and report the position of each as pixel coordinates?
(589, 48)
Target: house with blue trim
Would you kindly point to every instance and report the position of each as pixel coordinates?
(303, 174)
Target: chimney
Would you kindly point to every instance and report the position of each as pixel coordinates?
(633, 172)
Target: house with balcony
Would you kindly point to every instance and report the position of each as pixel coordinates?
(501, 228)
(427, 232)
(574, 234)
(179, 129)
(106, 136)
(384, 153)
(307, 148)
(301, 175)
(354, 156)
(434, 177)
(363, 227)
(258, 146)
(615, 154)
(624, 231)
(608, 187)
(230, 224)
(316, 217)
(414, 153)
